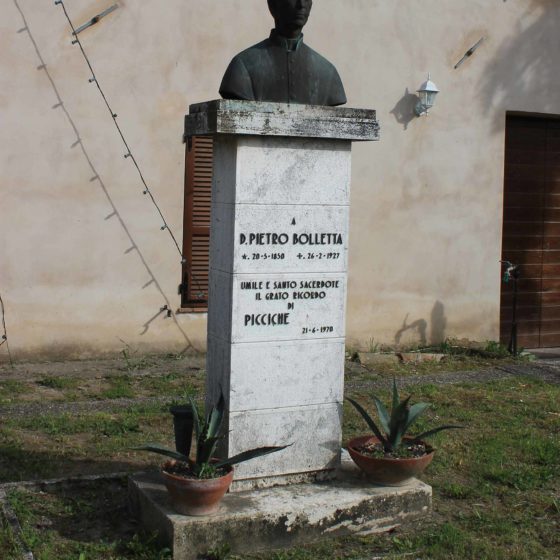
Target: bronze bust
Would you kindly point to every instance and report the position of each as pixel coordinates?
(282, 68)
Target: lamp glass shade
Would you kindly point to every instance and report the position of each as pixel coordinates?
(427, 93)
(430, 98)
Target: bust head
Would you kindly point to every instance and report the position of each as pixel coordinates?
(290, 16)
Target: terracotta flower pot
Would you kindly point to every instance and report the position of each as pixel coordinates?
(387, 471)
(192, 496)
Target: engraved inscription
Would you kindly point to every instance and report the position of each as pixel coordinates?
(296, 239)
(290, 239)
(283, 307)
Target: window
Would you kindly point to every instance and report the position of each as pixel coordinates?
(196, 223)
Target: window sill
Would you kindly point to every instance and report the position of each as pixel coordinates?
(188, 310)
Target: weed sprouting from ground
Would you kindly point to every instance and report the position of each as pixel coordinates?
(59, 383)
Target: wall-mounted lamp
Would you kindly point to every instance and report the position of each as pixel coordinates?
(426, 97)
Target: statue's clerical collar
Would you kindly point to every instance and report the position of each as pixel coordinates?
(290, 45)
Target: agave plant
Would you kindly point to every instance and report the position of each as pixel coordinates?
(207, 434)
(396, 424)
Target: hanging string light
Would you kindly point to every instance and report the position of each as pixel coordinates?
(4, 338)
(4, 342)
(128, 154)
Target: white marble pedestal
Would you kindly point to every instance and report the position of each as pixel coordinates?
(278, 264)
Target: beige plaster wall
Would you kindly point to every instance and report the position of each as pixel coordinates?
(84, 266)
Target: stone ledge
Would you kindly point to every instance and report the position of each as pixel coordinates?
(280, 517)
(225, 116)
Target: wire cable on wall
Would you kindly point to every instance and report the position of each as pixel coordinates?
(97, 177)
(4, 338)
(129, 154)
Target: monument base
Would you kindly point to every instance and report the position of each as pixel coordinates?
(279, 517)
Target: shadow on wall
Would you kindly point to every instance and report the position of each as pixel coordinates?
(96, 178)
(415, 333)
(438, 323)
(526, 64)
(420, 326)
(403, 111)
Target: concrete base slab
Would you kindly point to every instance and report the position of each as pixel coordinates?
(279, 517)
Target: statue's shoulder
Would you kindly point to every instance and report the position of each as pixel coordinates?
(238, 81)
(252, 53)
(319, 60)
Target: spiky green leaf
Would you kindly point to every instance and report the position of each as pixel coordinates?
(155, 448)
(196, 418)
(206, 450)
(248, 455)
(216, 417)
(369, 420)
(415, 411)
(436, 430)
(384, 417)
(399, 420)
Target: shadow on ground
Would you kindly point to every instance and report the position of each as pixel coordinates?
(39, 465)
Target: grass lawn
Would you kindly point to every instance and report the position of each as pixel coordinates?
(122, 386)
(496, 483)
